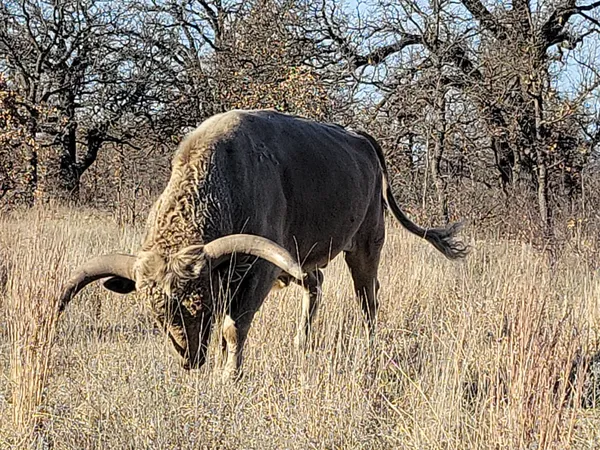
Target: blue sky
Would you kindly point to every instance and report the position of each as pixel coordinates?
(575, 69)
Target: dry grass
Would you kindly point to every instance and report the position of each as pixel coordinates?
(471, 355)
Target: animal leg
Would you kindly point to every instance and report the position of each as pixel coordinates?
(235, 333)
(310, 303)
(246, 299)
(363, 267)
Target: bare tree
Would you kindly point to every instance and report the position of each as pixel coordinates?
(76, 59)
(15, 146)
(223, 55)
(208, 57)
(477, 75)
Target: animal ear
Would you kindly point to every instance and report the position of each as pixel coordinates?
(120, 285)
(189, 262)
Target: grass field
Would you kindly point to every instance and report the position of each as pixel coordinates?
(479, 354)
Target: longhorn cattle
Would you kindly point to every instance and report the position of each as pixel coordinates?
(255, 198)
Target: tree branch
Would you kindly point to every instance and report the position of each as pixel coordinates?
(95, 138)
(523, 11)
(378, 55)
(553, 30)
(486, 18)
(591, 19)
(588, 7)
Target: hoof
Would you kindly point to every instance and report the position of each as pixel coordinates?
(231, 375)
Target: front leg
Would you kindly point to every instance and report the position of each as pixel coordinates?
(247, 297)
(235, 333)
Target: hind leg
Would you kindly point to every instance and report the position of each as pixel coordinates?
(310, 304)
(363, 262)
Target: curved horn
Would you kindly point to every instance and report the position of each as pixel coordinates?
(256, 246)
(118, 265)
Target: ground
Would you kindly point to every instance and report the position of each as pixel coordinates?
(477, 354)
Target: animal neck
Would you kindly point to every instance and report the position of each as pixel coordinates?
(190, 211)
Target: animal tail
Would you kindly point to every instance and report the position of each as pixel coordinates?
(443, 239)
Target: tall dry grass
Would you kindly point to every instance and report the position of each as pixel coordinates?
(31, 322)
(488, 353)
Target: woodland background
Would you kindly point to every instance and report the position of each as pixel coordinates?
(487, 110)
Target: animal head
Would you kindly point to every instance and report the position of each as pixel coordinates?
(178, 288)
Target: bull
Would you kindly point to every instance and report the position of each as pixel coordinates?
(257, 198)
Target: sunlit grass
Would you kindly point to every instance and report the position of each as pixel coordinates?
(477, 354)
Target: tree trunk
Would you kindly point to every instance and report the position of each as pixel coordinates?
(60, 168)
(58, 180)
(542, 193)
(18, 174)
(439, 143)
(542, 170)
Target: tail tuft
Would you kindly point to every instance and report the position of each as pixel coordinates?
(445, 240)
